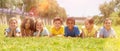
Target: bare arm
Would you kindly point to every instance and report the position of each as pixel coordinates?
(82, 34)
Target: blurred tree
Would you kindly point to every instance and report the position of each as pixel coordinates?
(11, 4)
(44, 8)
(41, 8)
(110, 7)
(107, 8)
(112, 10)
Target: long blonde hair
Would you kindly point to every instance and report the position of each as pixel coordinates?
(38, 20)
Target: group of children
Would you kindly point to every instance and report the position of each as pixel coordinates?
(35, 27)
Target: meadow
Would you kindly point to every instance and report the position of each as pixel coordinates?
(58, 43)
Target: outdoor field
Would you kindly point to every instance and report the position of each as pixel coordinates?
(59, 43)
(34, 16)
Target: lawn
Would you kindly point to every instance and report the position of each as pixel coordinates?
(59, 43)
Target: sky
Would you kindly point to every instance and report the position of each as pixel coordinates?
(81, 8)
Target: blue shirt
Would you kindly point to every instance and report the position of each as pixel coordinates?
(75, 32)
(8, 30)
(45, 32)
(106, 33)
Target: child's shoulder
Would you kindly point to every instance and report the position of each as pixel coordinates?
(112, 29)
(83, 27)
(17, 29)
(75, 26)
(44, 28)
(7, 29)
(52, 27)
(102, 28)
(96, 27)
(62, 27)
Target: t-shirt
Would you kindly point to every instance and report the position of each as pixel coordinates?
(7, 30)
(91, 33)
(45, 32)
(57, 32)
(75, 32)
(106, 33)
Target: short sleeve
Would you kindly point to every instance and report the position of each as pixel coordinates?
(65, 31)
(46, 32)
(7, 30)
(101, 32)
(77, 32)
(62, 31)
(18, 30)
(113, 32)
(51, 30)
(35, 33)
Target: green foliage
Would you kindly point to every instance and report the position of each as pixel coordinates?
(98, 20)
(115, 18)
(11, 4)
(111, 10)
(107, 8)
(110, 7)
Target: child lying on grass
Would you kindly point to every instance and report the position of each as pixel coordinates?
(89, 29)
(107, 30)
(57, 28)
(71, 29)
(12, 30)
(40, 30)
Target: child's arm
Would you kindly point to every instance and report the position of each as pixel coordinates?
(82, 34)
(101, 33)
(51, 32)
(46, 32)
(113, 34)
(95, 35)
(17, 32)
(5, 33)
(65, 32)
(38, 34)
(77, 33)
(62, 32)
(10, 33)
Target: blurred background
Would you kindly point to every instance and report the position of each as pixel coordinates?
(48, 9)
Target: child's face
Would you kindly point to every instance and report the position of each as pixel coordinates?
(13, 24)
(87, 25)
(39, 26)
(70, 24)
(27, 24)
(57, 24)
(107, 24)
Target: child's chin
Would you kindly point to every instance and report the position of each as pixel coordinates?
(37, 29)
(12, 28)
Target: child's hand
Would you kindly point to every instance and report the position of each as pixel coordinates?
(39, 32)
(59, 35)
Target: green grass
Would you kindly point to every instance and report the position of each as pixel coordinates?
(58, 43)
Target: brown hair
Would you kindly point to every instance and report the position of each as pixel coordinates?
(107, 19)
(70, 19)
(31, 23)
(58, 19)
(90, 20)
